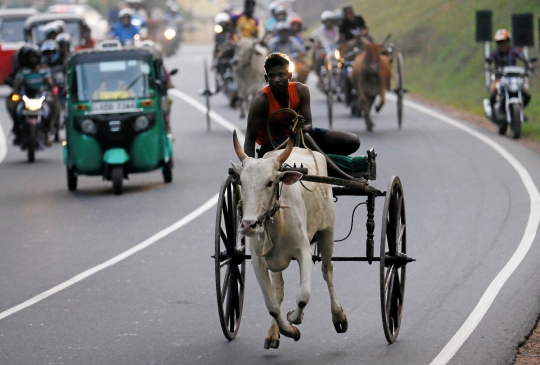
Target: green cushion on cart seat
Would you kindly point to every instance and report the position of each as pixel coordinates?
(350, 164)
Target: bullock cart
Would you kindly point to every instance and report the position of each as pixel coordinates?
(365, 81)
(230, 247)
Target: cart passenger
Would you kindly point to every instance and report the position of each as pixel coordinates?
(282, 93)
(246, 25)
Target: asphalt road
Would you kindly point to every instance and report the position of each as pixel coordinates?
(467, 211)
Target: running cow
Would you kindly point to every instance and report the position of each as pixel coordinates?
(249, 55)
(281, 217)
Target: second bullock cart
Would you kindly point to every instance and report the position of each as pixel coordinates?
(230, 248)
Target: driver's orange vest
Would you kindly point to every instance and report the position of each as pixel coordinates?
(280, 123)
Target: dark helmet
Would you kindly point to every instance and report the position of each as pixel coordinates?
(30, 56)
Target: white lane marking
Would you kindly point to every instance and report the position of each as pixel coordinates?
(202, 108)
(141, 246)
(3, 145)
(124, 255)
(528, 237)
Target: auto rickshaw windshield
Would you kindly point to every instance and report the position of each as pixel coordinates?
(113, 80)
(73, 28)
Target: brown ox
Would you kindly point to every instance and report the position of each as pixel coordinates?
(370, 77)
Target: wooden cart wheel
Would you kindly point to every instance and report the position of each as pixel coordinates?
(230, 264)
(329, 86)
(399, 89)
(392, 265)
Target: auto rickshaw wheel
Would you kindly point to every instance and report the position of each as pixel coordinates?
(167, 172)
(117, 177)
(71, 179)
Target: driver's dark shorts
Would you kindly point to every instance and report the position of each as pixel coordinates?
(317, 134)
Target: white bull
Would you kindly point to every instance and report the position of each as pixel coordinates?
(276, 239)
(248, 70)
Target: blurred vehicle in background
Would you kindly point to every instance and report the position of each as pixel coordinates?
(97, 23)
(75, 26)
(11, 36)
(171, 29)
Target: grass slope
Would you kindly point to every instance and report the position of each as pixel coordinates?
(442, 61)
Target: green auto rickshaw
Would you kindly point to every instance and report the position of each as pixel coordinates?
(116, 115)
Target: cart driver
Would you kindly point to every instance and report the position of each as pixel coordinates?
(283, 93)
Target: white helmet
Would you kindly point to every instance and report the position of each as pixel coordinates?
(327, 15)
(222, 18)
(125, 12)
(280, 9)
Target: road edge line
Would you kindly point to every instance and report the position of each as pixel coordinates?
(483, 305)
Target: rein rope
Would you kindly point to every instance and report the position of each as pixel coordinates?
(296, 128)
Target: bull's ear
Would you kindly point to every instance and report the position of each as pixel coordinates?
(290, 177)
(237, 168)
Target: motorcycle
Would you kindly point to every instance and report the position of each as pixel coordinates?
(170, 40)
(298, 67)
(224, 76)
(31, 113)
(508, 107)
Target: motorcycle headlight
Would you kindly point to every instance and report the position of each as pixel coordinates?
(169, 34)
(141, 123)
(218, 28)
(88, 126)
(137, 37)
(337, 54)
(513, 85)
(291, 67)
(15, 97)
(33, 104)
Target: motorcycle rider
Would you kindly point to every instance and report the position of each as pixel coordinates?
(173, 18)
(64, 45)
(279, 14)
(224, 32)
(353, 25)
(283, 42)
(53, 29)
(124, 31)
(506, 55)
(32, 80)
(327, 35)
(296, 29)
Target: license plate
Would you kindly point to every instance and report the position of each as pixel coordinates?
(114, 106)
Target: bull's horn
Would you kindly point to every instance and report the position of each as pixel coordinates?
(285, 154)
(238, 149)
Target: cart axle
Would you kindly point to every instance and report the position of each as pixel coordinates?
(399, 259)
